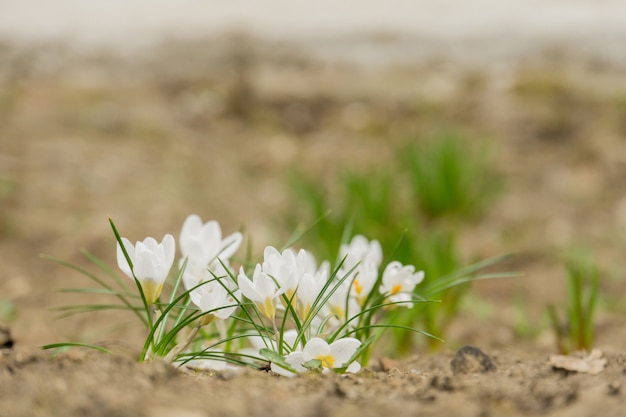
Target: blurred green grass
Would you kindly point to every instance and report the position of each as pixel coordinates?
(415, 207)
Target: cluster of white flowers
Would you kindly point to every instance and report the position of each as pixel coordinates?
(287, 282)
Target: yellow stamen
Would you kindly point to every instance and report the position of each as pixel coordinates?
(338, 311)
(358, 287)
(396, 289)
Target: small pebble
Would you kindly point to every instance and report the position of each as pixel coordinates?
(470, 359)
(6, 341)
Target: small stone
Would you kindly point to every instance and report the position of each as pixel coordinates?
(6, 341)
(614, 388)
(470, 359)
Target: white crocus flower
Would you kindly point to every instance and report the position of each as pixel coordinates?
(361, 251)
(287, 268)
(399, 282)
(261, 290)
(363, 257)
(213, 296)
(282, 267)
(334, 356)
(202, 243)
(151, 262)
(340, 306)
(196, 273)
(363, 280)
(309, 288)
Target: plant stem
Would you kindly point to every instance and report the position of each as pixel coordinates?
(182, 346)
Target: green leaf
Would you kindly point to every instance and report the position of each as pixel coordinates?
(73, 344)
(276, 359)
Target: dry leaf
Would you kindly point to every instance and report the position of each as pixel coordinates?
(388, 364)
(592, 364)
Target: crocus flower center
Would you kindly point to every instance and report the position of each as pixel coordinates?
(358, 287)
(207, 319)
(151, 290)
(327, 361)
(268, 308)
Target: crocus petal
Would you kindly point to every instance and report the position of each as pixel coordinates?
(203, 242)
(144, 263)
(343, 349)
(270, 253)
(248, 289)
(354, 367)
(314, 348)
(362, 250)
(150, 243)
(418, 277)
(210, 237)
(219, 302)
(122, 262)
(169, 251)
(230, 245)
(295, 360)
(187, 233)
(265, 285)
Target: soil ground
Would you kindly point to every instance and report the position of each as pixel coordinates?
(214, 126)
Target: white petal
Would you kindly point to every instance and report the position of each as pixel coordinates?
(307, 289)
(230, 245)
(289, 337)
(354, 367)
(210, 237)
(196, 251)
(122, 262)
(374, 253)
(248, 289)
(314, 348)
(190, 229)
(193, 274)
(270, 252)
(295, 360)
(418, 277)
(281, 371)
(144, 262)
(196, 297)
(343, 349)
(169, 252)
(391, 270)
(265, 285)
(149, 243)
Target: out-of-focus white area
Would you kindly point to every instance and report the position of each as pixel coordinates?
(597, 26)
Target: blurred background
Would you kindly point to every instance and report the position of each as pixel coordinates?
(482, 128)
